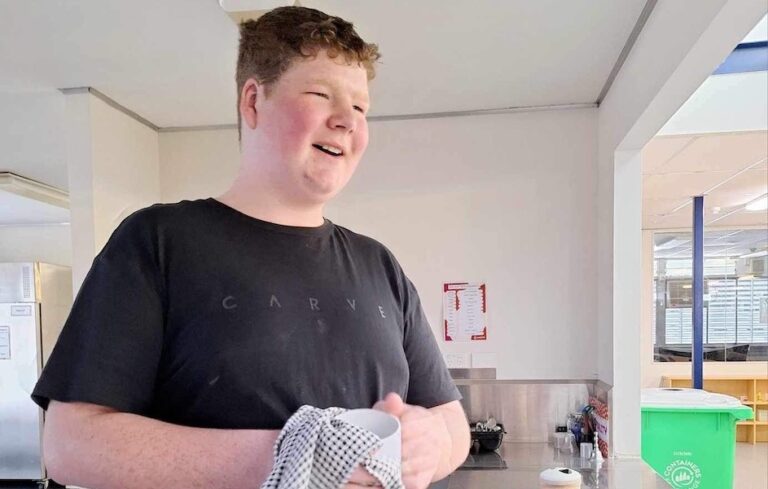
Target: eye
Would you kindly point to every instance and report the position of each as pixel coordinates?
(320, 94)
(359, 109)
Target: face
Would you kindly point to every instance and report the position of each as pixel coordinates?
(310, 132)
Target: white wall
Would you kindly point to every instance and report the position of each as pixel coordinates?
(197, 164)
(126, 167)
(506, 199)
(49, 244)
(113, 170)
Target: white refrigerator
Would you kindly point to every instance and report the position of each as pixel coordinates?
(35, 300)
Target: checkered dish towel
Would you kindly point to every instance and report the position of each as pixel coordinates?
(317, 451)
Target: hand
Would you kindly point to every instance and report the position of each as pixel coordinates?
(425, 440)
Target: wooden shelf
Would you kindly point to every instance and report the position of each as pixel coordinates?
(738, 386)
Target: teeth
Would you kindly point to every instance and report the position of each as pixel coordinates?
(331, 149)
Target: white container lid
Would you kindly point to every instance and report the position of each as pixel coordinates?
(686, 398)
(560, 476)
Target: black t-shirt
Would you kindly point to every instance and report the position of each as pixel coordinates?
(197, 314)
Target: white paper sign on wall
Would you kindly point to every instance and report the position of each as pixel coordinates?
(457, 360)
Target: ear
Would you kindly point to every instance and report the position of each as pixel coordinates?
(251, 92)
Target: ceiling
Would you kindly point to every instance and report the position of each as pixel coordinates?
(29, 211)
(715, 145)
(172, 61)
(729, 169)
(723, 103)
(717, 244)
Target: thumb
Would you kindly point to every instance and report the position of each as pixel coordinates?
(392, 404)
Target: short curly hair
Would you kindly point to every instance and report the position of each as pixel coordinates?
(271, 43)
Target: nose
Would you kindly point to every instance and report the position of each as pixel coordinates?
(343, 118)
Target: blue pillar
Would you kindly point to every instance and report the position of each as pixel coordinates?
(697, 354)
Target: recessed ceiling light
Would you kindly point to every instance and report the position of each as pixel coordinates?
(760, 204)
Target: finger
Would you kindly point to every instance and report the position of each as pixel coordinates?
(392, 404)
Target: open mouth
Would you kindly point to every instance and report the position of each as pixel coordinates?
(329, 150)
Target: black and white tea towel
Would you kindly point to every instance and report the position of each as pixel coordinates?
(317, 451)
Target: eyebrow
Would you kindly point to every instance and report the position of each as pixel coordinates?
(329, 84)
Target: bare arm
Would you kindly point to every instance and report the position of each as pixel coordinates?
(458, 430)
(97, 447)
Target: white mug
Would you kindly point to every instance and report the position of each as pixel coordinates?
(384, 425)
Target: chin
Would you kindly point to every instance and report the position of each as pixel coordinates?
(322, 191)
(322, 197)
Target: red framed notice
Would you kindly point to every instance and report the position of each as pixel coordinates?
(465, 311)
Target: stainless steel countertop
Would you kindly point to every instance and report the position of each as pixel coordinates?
(525, 461)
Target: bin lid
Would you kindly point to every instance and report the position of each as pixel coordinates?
(693, 399)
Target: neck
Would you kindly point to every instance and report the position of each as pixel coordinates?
(254, 201)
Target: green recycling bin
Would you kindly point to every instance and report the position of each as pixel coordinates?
(689, 436)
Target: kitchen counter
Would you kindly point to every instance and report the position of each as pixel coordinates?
(518, 465)
(525, 461)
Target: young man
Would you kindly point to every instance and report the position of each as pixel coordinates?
(202, 326)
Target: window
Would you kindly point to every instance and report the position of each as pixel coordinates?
(735, 296)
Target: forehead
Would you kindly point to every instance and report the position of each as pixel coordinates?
(332, 72)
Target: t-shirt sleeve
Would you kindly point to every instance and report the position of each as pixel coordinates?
(110, 346)
(430, 383)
